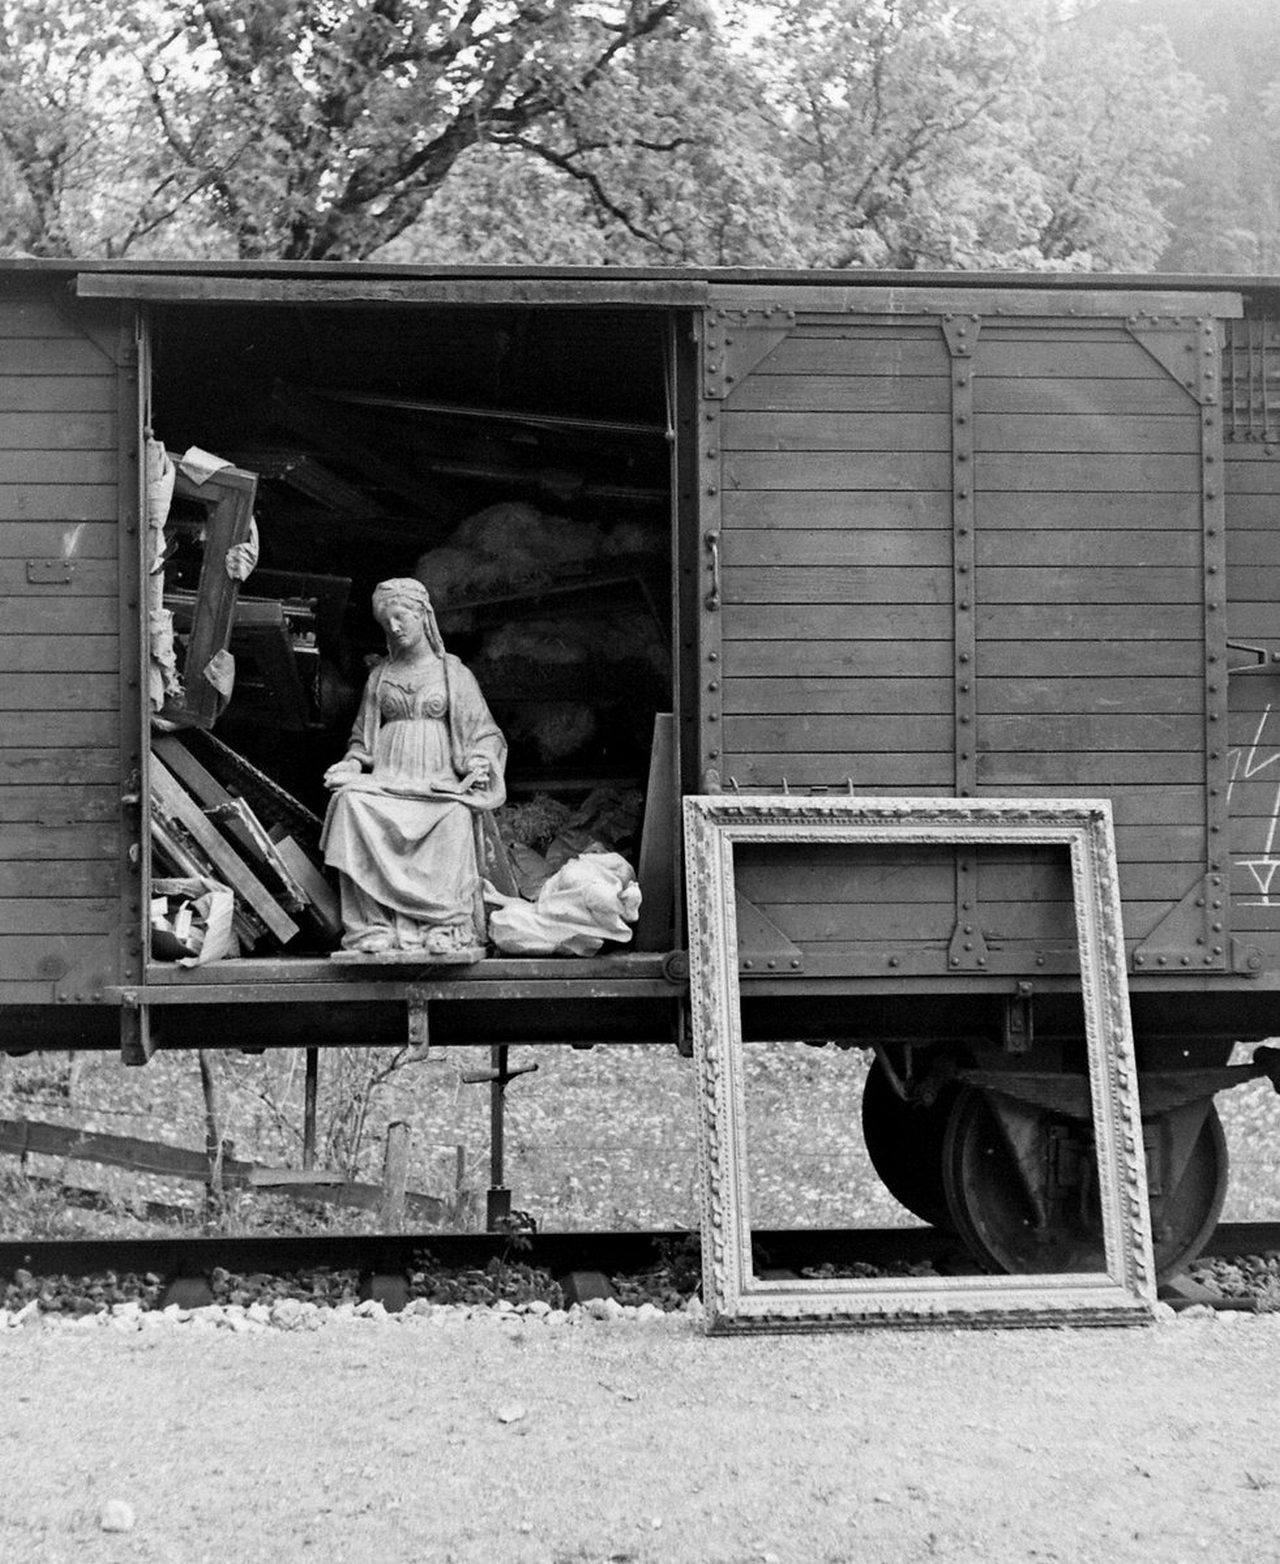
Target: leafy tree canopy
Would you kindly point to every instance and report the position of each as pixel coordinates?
(904, 133)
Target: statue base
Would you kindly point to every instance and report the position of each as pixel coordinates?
(465, 957)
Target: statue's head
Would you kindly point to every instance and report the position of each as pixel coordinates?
(404, 598)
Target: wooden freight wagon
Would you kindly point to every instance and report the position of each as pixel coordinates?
(953, 536)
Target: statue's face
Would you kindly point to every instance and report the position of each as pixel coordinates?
(404, 624)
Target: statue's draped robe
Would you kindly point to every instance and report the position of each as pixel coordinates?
(402, 833)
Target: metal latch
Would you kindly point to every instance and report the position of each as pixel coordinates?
(1263, 660)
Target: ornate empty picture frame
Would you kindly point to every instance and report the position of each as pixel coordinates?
(734, 1296)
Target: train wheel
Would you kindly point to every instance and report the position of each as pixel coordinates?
(1021, 1185)
(904, 1141)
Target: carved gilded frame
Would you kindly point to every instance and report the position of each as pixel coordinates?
(735, 1298)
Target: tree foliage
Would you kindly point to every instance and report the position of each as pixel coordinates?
(81, 168)
(334, 124)
(899, 133)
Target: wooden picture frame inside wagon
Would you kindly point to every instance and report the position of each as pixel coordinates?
(735, 1297)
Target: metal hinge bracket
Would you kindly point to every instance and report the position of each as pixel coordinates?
(737, 341)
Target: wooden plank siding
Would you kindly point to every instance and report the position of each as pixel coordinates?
(59, 649)
(837, 562)
(1091, 641)
(1253, 593)
(838, 620)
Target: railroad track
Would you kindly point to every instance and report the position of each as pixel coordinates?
(180, 1268)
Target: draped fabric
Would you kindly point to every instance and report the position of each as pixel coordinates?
(402, 833)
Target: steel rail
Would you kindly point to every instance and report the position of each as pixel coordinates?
(614, 1253)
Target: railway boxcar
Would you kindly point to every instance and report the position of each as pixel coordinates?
(880, 533)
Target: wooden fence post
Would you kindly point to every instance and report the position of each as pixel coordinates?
(395, 1177)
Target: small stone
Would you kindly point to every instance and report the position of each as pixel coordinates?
(648, 1312)
(538, 1307)
(604, 1308)
(693, 1308)
(285, 1314)
(504, 1306)
(555, 1317)
(28, 1314)
(258, 1313)
(117, 1516)
(511, 1412)
(371, 1309)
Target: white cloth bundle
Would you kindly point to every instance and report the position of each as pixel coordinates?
(594, 898)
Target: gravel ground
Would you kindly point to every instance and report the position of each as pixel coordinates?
(541, 1438)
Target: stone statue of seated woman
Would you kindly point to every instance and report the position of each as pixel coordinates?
(423, 758)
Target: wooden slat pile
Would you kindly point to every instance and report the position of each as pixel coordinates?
(201, 829)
